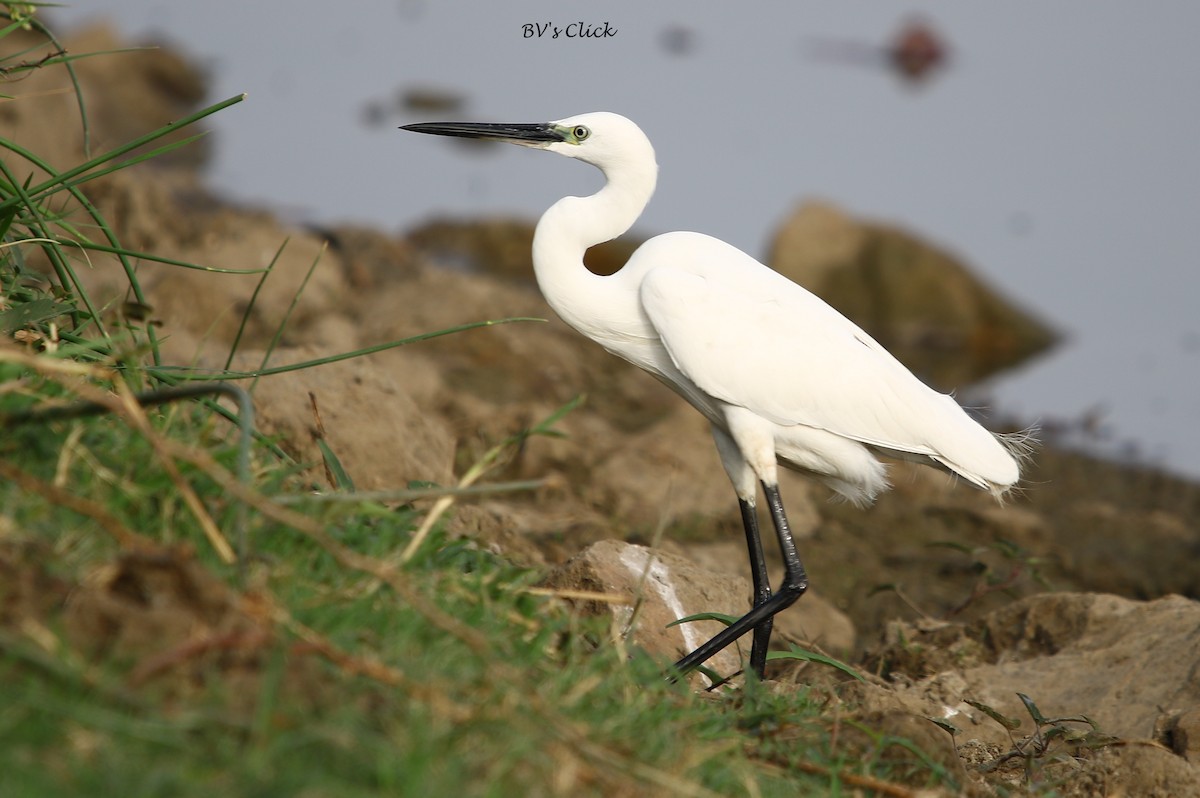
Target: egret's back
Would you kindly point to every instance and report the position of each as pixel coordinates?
(750, 338)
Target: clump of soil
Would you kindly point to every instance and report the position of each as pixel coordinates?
(162, 623)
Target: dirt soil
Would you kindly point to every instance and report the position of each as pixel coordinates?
(1086, 580)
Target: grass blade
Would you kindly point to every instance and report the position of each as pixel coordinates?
(189, 373)
(237, 339)
(803, 654)
(65, 178)
(341, 480)
(728, 620)
(287, 314)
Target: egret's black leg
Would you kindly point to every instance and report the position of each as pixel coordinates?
(762, 587)
(795, 579)
(795, 582)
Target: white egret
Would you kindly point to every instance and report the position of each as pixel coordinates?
(781, 376)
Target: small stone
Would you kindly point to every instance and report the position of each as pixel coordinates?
(1185, 735)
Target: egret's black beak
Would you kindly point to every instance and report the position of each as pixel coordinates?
(535, 135)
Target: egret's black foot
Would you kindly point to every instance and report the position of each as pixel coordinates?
(766, 604)
(762, 614)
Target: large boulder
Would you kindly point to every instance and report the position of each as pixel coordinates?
(920, 302)
(127, 92)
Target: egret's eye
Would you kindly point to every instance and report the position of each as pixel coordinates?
(580, 132)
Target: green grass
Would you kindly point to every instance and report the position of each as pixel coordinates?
(167, 629)
(482, 689)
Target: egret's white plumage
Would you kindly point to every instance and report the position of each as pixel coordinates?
(780, 375)
(732, 335)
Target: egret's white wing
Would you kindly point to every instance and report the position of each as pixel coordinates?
(750, 337)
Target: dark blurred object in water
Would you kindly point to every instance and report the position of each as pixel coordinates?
(678, 40)
(915, 53)
(418, 100)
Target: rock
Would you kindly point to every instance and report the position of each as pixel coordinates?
(664, 588)
(667, 474)
(135, 92)
(163, 623)
(170, 214)
(919, 302)
(1144, 771)
(1184, 734)
(671, 587)
(815, 242)
(150, 210)
(1133, 552)
(380, 435)
(127, 94)
(1115, 660)
(813, 620)
(162, 207)
(898, 724)
(1118, 662)
(499, 247)
(371, 259)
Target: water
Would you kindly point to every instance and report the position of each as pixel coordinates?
(1057, 154)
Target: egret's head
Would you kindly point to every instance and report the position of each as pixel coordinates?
(602, 139)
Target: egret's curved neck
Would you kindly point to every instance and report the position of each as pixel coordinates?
(572, 225)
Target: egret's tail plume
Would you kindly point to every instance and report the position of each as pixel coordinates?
(1000, 468)
(1021, 445)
